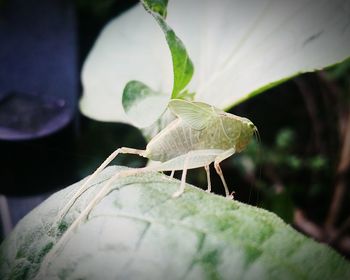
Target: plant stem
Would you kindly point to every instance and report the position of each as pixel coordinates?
(306, 226)
(311, 107)
(344, 227)
(343, 166)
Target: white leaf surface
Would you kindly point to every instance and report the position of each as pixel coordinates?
(237, 47)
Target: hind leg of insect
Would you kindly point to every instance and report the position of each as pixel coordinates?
(193, 159)
(190, 160)
(106, 189)
(86, 184)
(217, 161)
(207, 170)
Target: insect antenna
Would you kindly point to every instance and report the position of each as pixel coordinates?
(258, 160)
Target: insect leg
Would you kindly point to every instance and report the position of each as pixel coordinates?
(183, 178)
(86, 184)
(207, 170)
(219, 171)
(172, 173)
(217, 161)
(193, 159)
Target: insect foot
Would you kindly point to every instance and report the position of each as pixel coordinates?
(207, 170)
(177, 194)
(231, 196)
(181, 190)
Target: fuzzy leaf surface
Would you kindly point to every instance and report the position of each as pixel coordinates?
(139, 231)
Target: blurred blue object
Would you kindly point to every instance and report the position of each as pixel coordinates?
(38, 67)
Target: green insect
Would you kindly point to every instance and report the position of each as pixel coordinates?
(201, 134)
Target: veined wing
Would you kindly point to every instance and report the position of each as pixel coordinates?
(196, 114)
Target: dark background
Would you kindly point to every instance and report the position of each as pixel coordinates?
(299, 169)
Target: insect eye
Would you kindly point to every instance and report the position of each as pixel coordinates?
(251, 125)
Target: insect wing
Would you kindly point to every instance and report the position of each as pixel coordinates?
(196, 114)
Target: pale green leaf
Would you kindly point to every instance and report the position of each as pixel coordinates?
(142, 104)
(103, 86)
(182, 64)
(238, 48)
(140, 232)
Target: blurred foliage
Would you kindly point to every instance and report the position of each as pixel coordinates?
(302, 163)
(276, 171)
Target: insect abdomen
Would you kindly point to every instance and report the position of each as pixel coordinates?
(176, 139)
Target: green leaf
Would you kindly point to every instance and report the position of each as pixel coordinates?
(143, 108)
(142, 104)
(157, 6)
(238, 48)
(140, 232)
(182, 64)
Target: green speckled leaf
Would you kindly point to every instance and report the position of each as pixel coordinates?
(139, 232)
(142, 104)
